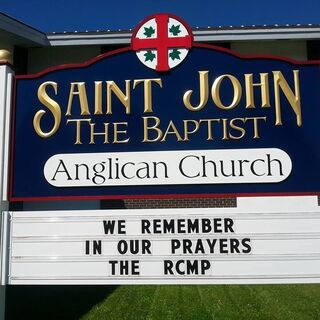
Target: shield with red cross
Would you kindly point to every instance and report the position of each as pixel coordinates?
(162, 41)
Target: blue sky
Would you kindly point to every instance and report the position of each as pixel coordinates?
(80, 15)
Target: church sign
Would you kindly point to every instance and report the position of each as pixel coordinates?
(167, 117)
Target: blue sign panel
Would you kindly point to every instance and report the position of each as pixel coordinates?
(193, 120)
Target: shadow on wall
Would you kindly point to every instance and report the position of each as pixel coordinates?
(53, 302)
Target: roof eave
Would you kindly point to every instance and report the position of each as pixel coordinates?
(22, 30)
(108, 38)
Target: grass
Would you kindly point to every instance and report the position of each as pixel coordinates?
(224, 302)
(276, 302)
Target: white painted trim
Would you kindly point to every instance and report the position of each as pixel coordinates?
(4, 249)
(6, 81)
(89, 39)
(216, 35)
(6, 136)
(3, 107)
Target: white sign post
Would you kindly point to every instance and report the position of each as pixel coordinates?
(6, 77)
(262, 240)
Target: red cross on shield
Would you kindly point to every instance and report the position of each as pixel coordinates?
(162, 41)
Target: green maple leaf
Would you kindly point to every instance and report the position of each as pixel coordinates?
(148, 32)
(175, 54)
(175, 30)
(149, 56)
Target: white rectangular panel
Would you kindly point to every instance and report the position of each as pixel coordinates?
(174, 246)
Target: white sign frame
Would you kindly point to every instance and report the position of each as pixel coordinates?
(6, 85)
